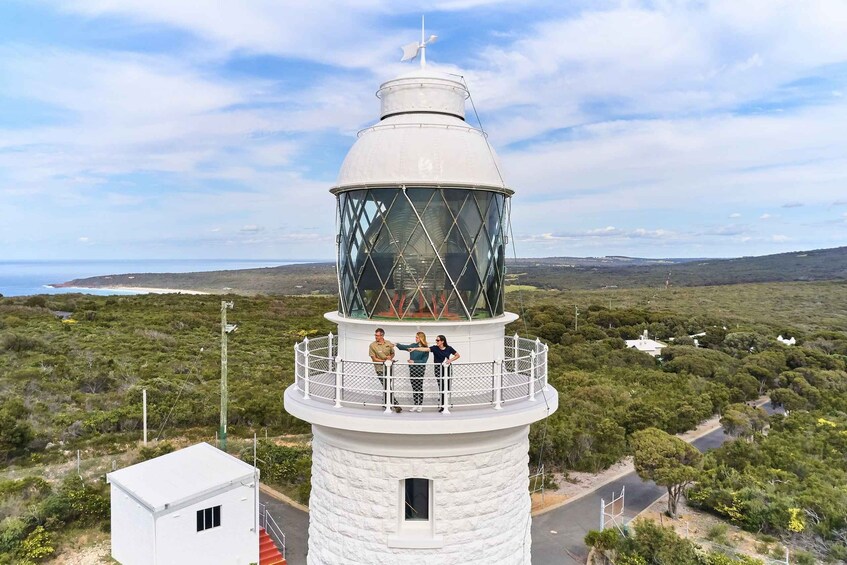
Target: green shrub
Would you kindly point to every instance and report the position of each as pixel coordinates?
(804, 558)
(20, 343)
(156, 450)
(718, 534)
(37, 545)
(13, 530)
(606, 540)
(37, 301)
(76, 502)
(838, 553)
(26, 487)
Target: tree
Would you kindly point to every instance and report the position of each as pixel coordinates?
(741, 420)
(666, 460)
(787, 399)
(15, 431)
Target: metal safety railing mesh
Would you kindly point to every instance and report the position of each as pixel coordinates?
(321, 375)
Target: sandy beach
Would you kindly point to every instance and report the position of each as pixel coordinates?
(137, 289)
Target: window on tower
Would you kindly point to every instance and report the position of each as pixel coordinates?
(415, 518)
(416, 499)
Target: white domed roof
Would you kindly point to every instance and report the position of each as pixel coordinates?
(422, 139)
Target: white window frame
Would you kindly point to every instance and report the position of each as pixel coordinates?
(415, 533)
(202, 512)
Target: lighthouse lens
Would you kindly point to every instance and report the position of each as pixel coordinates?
(422, 252)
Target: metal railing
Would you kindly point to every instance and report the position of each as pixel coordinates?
(320, 374)
(267, 522)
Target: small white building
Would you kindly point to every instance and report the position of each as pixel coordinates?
(647, 345)
(195, 505)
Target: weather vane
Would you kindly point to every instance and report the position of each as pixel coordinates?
(412, 50)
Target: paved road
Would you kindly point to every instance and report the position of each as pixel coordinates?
(572, 521)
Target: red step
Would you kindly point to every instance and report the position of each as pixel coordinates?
(268, 552)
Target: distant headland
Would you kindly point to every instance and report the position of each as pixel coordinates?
(549, 273)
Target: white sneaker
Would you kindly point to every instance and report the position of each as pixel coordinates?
(419, 409)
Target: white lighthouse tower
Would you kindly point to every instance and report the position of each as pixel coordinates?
(422, 215)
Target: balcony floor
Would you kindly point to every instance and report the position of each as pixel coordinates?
(429, 421)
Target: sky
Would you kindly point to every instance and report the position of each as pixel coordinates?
(162, 129)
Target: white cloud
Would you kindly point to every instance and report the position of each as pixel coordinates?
(765, 216)
(621, 115)
(330, 31)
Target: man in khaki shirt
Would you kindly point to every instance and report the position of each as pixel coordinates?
(381, 351)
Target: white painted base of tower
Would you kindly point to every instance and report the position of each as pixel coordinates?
(479, 498)
(474, 459)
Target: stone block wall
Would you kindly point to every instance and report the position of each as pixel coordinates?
(481, 507)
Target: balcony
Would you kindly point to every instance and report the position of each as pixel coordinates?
(321, 376)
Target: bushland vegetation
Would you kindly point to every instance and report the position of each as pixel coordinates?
(649, 543)
(781, 475)
(76, 383)
(81, 378)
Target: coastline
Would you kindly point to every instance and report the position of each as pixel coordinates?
(132, 289)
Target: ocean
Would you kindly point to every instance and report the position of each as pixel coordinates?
(24, 278)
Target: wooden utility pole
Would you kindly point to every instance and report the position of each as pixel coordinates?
(225, 329)
(144, 401)
(576, 318)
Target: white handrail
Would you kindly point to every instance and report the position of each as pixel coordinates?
(267, 522)
(518, 376)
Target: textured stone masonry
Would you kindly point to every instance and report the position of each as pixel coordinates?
(481, 507)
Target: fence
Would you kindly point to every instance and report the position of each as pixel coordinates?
(320, 374)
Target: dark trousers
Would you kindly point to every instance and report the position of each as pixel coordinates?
(443, 373)
(416, 376)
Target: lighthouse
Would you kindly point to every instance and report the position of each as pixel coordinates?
(426, 464)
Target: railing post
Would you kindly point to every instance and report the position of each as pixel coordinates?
(515, 352)
(329, 345)
(532, 356)
(306, 368)
(498, 384)
(539, 349)
(339, 384)
(602, 514)
(298, 378)
(446, 377)
(388, 384)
